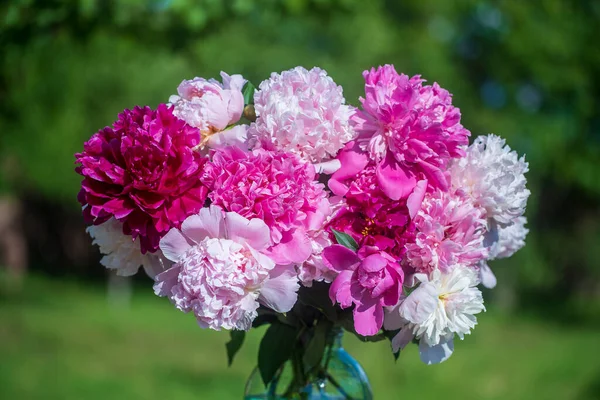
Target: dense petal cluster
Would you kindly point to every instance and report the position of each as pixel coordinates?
(121, 252)
(302, 112)
(449, 231)
(443, 305)
(143, 172)
(494, 176)
(220, 273)
(412, 131)
(211, 106)
(372, 218)
(276, 187)
(370, 280)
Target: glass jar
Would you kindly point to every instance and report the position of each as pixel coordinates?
(340, 377)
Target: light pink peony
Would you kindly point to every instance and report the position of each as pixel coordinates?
(449, 231)
(220, 271)
(144, 173)
(369, 279)
(301, 112)
(411, 131)
(211, 107)
(276, 187)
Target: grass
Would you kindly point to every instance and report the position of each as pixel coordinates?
(63, 340)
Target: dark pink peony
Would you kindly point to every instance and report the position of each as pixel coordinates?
(372, 218)
(412, 131)
(143, 172)
(276, 187)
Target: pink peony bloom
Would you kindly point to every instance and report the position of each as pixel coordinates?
(372, 218)
(449, 231)
(411, 131)
(211, 106)
(301, 112)
(276, 187)
(144, 173)
(221, 273)
(370, 279)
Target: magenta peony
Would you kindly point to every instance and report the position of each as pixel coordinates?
(276, 187)
(449, 231)
(369, 279)
(411, 131)
(372, 218)
(220, 272)
(144, 173)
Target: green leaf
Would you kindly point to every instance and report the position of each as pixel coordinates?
(275, 349)
(314, 351)
(345, 240)
(248, 93)
(234, 345)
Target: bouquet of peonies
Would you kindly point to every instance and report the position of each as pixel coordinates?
(283, 205)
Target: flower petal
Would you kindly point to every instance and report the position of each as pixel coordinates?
(254, 232)
(340, 258)
(368, 318)
(174, 244)
(207, 223)
(436, 354)
(279, 293)
(396, 181)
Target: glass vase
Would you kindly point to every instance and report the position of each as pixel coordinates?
(339, 377)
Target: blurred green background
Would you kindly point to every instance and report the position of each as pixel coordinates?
(526, 70)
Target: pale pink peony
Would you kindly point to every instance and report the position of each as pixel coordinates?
(449, 231)
(211, 107)
(301, 112)
(144, 173)
(276, 187)
(220, 271)
(369, 280)
(410, 130)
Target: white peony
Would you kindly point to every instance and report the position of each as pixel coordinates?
(302, 112)
(495, 177)
(121, 252)
(443, 305)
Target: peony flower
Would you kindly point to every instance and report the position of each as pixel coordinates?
(144, 173)
(301, 112)
(369, 279)
(410, 130)
(443, 305)
(372, 218)
(211, 106)
(221, 273)
(449, 231)
(276, 187)
(494, 176)
(121, 252)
